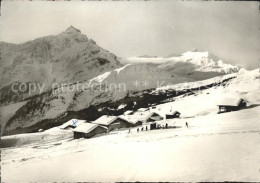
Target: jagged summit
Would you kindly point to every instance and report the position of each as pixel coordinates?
(68, 56)
(71, 30)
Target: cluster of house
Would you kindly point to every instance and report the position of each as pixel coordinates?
(105, 124)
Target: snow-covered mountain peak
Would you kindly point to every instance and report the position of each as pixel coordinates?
(72, 30)
(202, 61)
(66, 57)
(195, 55)
(195, 60)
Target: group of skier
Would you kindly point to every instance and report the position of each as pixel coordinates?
(142, 129)
(158, 127)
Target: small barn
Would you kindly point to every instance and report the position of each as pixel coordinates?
(171, 115)
(72, 124)
(88, 130)
(231, 104)
(112, 122)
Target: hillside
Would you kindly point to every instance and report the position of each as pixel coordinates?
(68, 57)
(195, 152)
(95, 82)
(53, 109)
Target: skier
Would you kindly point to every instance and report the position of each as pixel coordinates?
(187, 125)
(166, 125)
(146, 128)
(142, 129)
(129, 131)
(137, 130)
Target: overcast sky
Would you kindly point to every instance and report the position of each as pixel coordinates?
(229, 30)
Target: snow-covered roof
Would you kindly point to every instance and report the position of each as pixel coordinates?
(142, 109)
(128, 112)
(172, 112)
(86, 127)
(138, 116)
(135, 121)
(105, 120)
(152, 113)
(230, 102)
(72, 122)
(130, 118)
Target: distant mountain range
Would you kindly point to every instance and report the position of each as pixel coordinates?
(192, 60)
(72, 58)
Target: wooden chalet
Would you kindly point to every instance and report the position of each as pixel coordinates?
(231, 104)
(171, 115)
(88, 130)
(112, 122)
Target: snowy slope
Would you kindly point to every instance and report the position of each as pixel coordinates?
(244, 80)
(57, 104)
(214, 148)
(115, 84)
(246, 85)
